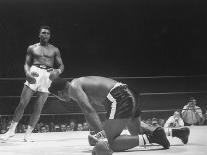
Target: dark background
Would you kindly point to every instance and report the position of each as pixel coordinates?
(111, 38)
(108, 37)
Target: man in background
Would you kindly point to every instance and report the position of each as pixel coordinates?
(174, 121)
(191, 113)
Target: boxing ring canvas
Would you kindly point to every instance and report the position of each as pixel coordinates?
(76, 143)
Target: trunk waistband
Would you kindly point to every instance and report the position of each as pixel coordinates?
(111, 96)
(43, 66)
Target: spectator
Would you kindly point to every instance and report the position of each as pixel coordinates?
(4, 124)
(37, 127)
(34, 131)
(24, 128)
(191, 113)
(155, 122)
(63, 127)
(57, 128)
(85, 126)
(174, 121)
(79, 127)
(72, 125)
(161, 122)
(205, 117)
(47, 128)
(3, 131)
(52, 127)
(43, 129)
(68, 128)
(149, 121)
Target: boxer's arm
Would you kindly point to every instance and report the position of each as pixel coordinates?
(28, 60)
(27, 65)
(88, 110)
(59, 61)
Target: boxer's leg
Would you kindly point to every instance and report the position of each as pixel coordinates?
(182, 133)
(124, 142)
(117, 142)
(41, 99)
(26, 95)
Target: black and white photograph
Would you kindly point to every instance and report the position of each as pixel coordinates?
(103, 77)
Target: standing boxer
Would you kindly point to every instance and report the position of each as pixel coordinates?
(40, 59)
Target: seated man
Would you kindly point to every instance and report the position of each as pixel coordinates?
(122, 110)
(174, 121)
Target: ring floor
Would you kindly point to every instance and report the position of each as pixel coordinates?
(76, 143)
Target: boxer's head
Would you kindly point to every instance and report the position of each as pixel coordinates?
(44, 34)
(59, 88)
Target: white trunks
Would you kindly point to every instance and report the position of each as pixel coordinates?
(42, 81)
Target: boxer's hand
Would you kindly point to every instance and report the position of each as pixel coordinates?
(92, 132)
(102, 147)
(54, 74)
(34, 74)
(101, 135)
(30, 78)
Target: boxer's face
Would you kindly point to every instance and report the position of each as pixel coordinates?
(44, 35)
(62, 95)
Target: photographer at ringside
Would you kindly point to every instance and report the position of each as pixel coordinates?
(191, 113)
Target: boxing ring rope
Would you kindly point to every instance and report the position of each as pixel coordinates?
(124, 77)
(171, 93)
(63, 114)
(141, 94)
(117, 78)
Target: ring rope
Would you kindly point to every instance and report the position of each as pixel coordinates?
(127, 77)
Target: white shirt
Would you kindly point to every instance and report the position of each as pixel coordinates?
(172, 122)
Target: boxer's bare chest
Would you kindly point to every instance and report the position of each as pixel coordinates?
(41, 51)
(43, 55)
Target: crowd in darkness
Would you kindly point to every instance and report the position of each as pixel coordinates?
(44, 126)
(71, 125)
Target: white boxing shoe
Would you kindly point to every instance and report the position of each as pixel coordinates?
(28, 137)
(7, 135)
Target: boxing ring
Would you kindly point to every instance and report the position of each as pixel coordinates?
(154, 95)
(76, 143)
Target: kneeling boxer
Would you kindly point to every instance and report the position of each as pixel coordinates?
(122, 110)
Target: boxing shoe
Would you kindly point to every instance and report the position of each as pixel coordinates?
(7, 135)
(28, 137)
(102, 148)
(158, 136)
(181, 133)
